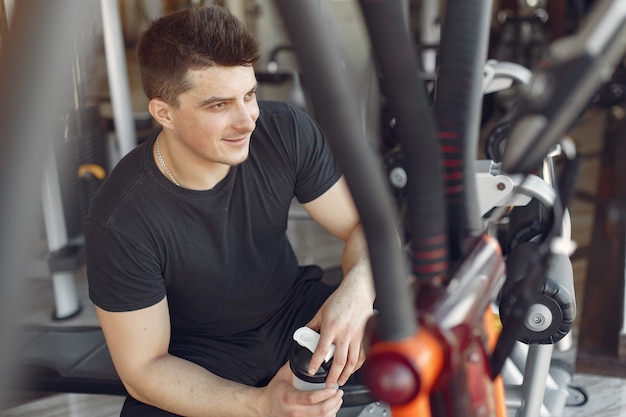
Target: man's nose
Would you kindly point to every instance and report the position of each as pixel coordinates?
(246, 116)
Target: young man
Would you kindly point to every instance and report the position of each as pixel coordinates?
(195, 284)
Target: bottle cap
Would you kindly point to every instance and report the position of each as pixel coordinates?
(309, 339)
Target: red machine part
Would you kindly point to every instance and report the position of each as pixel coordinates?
(443, 370)
(402, 373)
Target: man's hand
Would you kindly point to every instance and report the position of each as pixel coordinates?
(341, 320)
(281, 398)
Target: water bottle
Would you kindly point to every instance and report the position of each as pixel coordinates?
(300, 356)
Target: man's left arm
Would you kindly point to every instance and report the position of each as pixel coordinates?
(342, 318)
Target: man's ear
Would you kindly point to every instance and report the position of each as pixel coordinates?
(160, 110)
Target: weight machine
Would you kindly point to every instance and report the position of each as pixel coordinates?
(434, 352)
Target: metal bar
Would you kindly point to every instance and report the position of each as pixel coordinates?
(118, 77)
(535, 376)
(563, 84)
(63, 283)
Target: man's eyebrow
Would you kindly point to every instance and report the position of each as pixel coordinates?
(211, 100)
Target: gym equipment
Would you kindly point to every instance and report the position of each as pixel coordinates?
(118, 78)
(522, 36)
(434, 352)
(74, 169)
(551, 104)
(64, 259)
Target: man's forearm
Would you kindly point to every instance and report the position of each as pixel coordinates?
(184, 388)
(355, 264)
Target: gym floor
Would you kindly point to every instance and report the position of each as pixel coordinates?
(607, 396)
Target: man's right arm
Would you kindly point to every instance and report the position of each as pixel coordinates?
(138, 342)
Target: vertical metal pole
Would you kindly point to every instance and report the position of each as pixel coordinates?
(63, 283)
(118, 76)
(535, 376)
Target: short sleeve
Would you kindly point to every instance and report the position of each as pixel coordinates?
(122, 274)
(316, 168)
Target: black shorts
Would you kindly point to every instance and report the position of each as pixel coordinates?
(253, 358)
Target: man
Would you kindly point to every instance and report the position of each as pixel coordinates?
(195, 284)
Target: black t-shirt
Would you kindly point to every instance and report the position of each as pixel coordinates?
(221, 256)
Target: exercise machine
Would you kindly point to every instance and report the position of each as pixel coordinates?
(434, 352)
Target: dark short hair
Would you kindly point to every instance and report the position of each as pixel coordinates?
(191, 39)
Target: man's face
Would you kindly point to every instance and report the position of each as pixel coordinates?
(216, 117)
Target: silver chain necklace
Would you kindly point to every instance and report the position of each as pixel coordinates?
(165, 168)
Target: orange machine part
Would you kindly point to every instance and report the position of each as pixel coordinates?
(425, 353)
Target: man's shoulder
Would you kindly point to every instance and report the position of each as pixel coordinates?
(275, 105)
(120, 184)
(281, 109)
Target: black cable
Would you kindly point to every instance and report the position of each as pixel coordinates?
(408, 104)
(337, 111)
